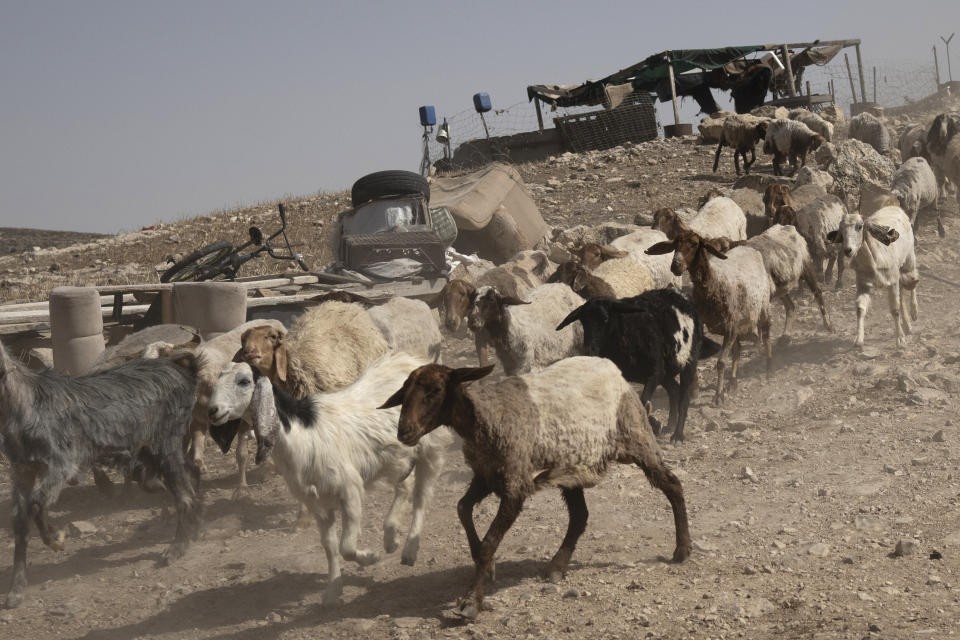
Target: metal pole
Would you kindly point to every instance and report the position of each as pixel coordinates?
(846, 59)
(947, 43)
(673, 92)
(786, 61)
(863, 84)
(936, 66)
(484, 121)
(874, 84)
(536, 102)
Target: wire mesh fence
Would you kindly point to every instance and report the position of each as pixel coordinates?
(888, 82)
(592, 127)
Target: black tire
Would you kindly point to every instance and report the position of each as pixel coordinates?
(388, 183)
(192, 265)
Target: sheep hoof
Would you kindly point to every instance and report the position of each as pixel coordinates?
(676, 437)
(240, 492)
(391, 539)
(366, 558)
(332, 598)
(467, 610)
(14, 599)
(554, 574)
(655, 425)
(410, 550)
(58, 539)
(173, 553)
(783, 340)
(681, 553)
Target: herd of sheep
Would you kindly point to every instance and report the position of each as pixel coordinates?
(353, 393)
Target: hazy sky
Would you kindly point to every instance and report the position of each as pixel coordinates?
(116, 115)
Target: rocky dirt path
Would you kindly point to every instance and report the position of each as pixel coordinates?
(799, 490)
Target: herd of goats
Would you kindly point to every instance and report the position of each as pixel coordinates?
(353, 393)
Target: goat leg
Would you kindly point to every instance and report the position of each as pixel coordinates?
(352, 511)
(577, 510)
(863, 305)
(728, 339)
(688, 381)
(425, 474)
(391, 524)
(477, 491)
(327, 523)
(716, 157)
(662, 478)
(23, 477)
(471, 605)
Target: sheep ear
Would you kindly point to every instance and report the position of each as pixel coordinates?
(886, 235)
(610, 253)
(714, 250)
(510, 300)
(238, 356)
(661, 248)
(280, 362)
(467, 374)
(834, 236)
(396, 399)
(572, 317)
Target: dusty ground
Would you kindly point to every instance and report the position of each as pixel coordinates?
(798, 491)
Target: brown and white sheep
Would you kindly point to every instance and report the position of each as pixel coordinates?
(524, 272)
(732, 290)
(560, 427)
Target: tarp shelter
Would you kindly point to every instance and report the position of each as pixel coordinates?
(668, 74)
(495, 214)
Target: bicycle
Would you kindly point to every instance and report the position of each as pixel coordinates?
(221, 260)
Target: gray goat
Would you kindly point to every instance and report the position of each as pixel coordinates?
(133, 417)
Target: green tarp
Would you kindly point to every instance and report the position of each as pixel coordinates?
(643, 75)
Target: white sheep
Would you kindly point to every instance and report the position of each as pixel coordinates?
(870, 129)
(732, 290)
(635, 244)
(331, 447)
(913, 142)
(882, 251)
(408, 325)
(814, 122)
(915, 188)
(814, 222)
(591, 255)
(326, 348)
(622, 277)
(787, 260)
(560, 427)
(719, 217)
(742, 132)
(522, 331)
(790, 139)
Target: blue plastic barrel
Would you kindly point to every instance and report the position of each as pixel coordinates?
(428, 116)
(481, 102)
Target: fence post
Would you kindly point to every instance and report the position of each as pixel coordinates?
(786, 60)
(863, 84)
(536, 102)
(853, 90)
(874, 85)
(936, 66)
(673, 92)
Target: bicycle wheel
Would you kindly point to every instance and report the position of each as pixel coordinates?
(194, 264)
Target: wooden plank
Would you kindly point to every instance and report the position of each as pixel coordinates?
(846, 59)
(43, 315)
(23, 306)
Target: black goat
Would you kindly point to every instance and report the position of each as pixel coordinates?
(133, 417)
(654, 338)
